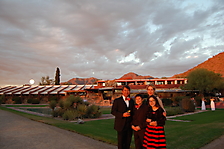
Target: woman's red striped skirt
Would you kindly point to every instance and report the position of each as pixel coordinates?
(154, 137)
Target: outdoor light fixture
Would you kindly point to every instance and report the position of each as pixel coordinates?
(32, 81)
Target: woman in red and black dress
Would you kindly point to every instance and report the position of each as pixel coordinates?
(154, 137)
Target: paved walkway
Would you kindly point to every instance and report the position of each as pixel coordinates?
(17, 132)
(216, 144)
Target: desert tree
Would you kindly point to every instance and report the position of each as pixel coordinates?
(46, 81)
(57, 76)
(207, 82)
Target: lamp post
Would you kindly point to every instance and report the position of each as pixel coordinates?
(32, 81)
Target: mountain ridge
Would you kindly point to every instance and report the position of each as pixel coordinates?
(214, 64)
(81, 81)
(132, 75)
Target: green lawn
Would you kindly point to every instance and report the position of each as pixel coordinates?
(203, 128)
(105, 110)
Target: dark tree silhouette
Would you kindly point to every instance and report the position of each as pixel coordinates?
(57, 77)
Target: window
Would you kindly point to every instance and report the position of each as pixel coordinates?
(160, 82)
(169, 82)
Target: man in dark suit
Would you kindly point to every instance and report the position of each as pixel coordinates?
(122, 109)
(139, 121)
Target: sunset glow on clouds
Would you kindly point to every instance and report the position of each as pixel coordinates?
(106, 39)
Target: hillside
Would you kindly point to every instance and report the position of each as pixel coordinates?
(214, 64)
(80, 81)
(132, 75)
(92, 80)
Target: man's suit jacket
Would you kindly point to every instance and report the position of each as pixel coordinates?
(118, 108)
(140, 115)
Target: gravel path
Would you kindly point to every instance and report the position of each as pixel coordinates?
(17, 132)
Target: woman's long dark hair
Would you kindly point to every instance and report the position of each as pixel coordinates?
(155, 98)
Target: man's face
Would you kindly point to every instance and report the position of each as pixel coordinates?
(150, 90)
(125, 92)
(138, 100)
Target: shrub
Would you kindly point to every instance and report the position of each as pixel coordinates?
(29, 100)
(198, 100)
(78, 100)
(52, 104)
(167, 101)
(178, 99)
(81, 109)
(170, 111)
(93, 111)
(70, 115)
(74, 107)
(61, 104)
(187, 105)
(55, 98)
(67, 104)
(17, 100)
(33, 101)
(71, 98)
(2, 98)
(86, 103)
(75, 99)
(58, 112)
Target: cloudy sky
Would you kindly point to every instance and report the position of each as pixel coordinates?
(106, 38)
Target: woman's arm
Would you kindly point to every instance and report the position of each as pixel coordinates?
(160, 117)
